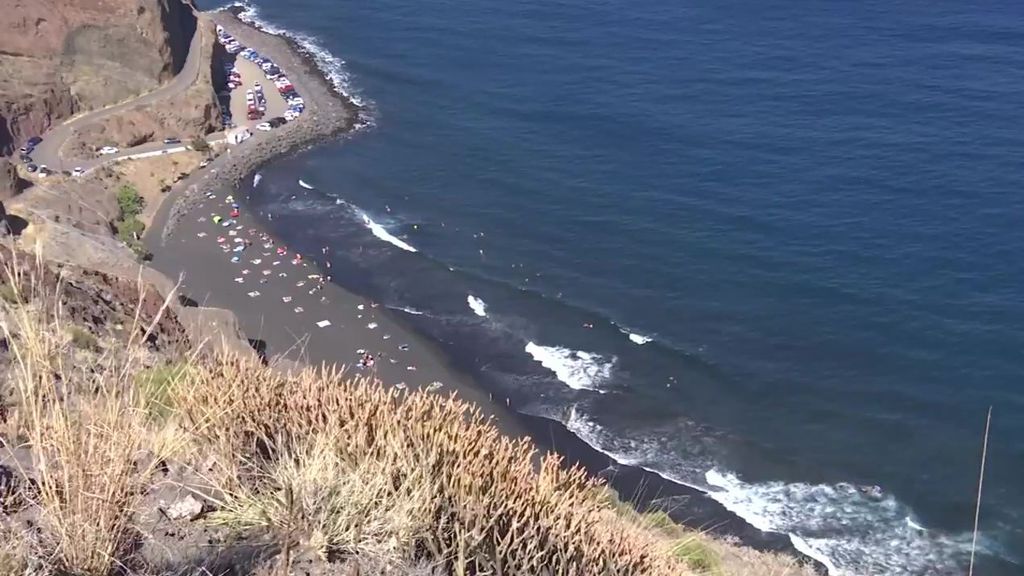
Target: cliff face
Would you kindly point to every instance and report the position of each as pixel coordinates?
(194, 112)
(58, 57)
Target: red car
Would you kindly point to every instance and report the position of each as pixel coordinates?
(234, 213)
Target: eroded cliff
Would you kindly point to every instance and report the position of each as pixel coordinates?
(59, 57)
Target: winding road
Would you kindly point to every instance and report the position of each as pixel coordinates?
(48, 152)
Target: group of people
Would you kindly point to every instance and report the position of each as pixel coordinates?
(238, 240)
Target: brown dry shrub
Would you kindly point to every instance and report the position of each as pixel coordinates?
(427, 474)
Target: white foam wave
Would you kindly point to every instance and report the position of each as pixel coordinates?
(380, 232)
(408, 310)
(846, 529)
(305, 185)
(256, 179)
(332, 67)
(478, 306)
(638, 339)
(576, 369)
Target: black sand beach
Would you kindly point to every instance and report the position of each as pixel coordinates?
(282, 312)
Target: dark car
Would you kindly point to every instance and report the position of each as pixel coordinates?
(276, 122)
(26, 150)
(172, 140)
(31, 167)
(34, 141)
(25, 159)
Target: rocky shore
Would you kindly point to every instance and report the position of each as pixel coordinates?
(327, 115)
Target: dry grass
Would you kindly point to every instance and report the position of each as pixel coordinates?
(426, 476)
(344, 468)
(86, 429)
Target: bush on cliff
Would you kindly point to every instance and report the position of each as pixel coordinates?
(128, 226)
(129, 202)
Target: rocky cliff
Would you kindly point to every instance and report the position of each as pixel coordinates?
(58, 57)
(195, 112)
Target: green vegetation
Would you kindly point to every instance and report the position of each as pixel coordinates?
(8, 294)
(199, 144)
(156, 384)
(129, 202)
(83, 339)
(129, 227)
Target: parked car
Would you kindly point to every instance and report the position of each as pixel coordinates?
(264, 127)
(31, 167)
(172, 140)
(109, 150)
(34, 141)
(277, 122)
(204, 163)
(25, 158)
(78, 172)
(26, 150)
(44, 171)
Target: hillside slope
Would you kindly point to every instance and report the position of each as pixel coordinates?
(59, 57)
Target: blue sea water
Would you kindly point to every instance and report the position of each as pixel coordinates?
(794, 227)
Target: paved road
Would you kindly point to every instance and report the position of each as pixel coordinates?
(48, 151)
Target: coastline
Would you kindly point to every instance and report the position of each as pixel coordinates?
(329, 115)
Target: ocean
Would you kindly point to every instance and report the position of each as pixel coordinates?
(771, 250)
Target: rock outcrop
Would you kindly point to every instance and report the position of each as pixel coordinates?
(10, 184)
(58, 57)
(192, 113)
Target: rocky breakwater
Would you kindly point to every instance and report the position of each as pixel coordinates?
(327, 115)
(60, 57)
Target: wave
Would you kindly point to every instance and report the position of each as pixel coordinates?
(332, 67)
(256, 179)
(847, 529)
(850, 531)
(408, 310)
(306, 186)
(478, 306)
(577, 370)
(638, 339)
(380, 232)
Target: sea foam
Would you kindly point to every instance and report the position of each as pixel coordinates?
(576, 369)
(332, 67)
(380, 232)
(478, 306)
(848, 530)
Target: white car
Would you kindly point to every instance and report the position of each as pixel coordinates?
(204, 163)
(264, 127)
(109, 150)
(78, 172)
(290, 115)
(44, 171)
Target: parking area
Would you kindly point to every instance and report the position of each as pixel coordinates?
(261, 97)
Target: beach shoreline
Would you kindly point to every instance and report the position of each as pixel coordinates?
(179, 251)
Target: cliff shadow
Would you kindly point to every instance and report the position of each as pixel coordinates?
(260, 346)
(15, 224)
(186, 301)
